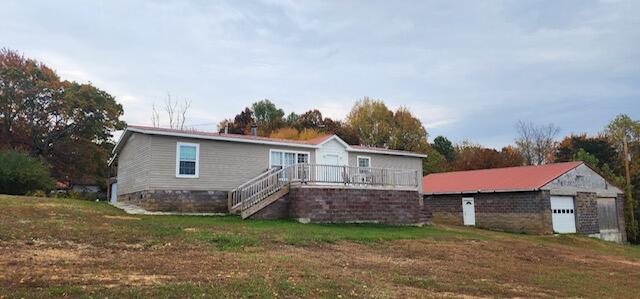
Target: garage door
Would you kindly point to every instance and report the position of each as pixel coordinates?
(563, 214)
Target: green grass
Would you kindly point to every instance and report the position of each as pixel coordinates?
(224, 256)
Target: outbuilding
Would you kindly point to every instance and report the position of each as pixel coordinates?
(554, 198)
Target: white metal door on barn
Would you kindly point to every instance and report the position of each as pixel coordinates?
(563, 214)
(468, 211)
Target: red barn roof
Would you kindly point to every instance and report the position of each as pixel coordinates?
(497, 179)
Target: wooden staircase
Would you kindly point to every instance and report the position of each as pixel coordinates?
(261, 191)
(264, 203)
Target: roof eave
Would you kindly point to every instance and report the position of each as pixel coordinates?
(483, 191)
(373, 151)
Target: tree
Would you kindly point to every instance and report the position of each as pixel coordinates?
(294, 134)
(311, 119)
(286, 133)
(267, 116)
(471, 156)
(444, 147)
(20, 173)
(624, 133)
(176, 114)
(291, 119)
(241, 123)
(372, 121)
(598, 146)
(56, 121)
(536, 143)
(408, 133)
(345, 132)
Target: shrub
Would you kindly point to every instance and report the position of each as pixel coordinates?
(20, 173)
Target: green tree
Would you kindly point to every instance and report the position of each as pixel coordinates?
(444, 147)
(20, 174)
(268, 117)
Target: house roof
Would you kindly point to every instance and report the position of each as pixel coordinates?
(524, 178)
(312, 143)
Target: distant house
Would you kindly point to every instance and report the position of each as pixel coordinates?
(561, 198)
(318, 180)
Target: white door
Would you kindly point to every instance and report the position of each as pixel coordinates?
(563, 214)
(114, 192)
(468, 211)
(331, 157)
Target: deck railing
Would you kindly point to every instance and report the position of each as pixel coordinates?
(260, 187)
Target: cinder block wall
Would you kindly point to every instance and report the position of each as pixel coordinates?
(338, 205)
(178, 200)
(509, 211)
(326, 205)
(586, 207)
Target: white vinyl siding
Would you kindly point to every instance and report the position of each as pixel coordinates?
(187, 160)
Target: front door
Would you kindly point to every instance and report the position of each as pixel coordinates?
(468, 211)
(563, 214)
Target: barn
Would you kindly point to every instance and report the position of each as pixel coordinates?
(554, 198)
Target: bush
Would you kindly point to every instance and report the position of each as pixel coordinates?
(20, 174)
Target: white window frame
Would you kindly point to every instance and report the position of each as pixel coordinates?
(363, 157)
(187, 176)
(288, 151)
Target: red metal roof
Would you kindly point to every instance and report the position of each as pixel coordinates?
(495, 180)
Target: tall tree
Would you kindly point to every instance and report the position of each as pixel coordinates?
(268, 117)
(536, 143)
(67, 124)
(624, 133)
(444, 147)
(471, 156)
(598, 146)
(407, 133)
(373, 122)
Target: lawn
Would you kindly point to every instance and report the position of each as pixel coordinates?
(71, 248)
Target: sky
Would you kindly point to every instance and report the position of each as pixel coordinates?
(469, 70)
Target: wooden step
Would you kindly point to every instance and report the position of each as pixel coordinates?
(265, 202)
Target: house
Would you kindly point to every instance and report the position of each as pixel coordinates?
(318, 180)
(554, 198)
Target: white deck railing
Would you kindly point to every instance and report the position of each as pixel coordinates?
(273, 180)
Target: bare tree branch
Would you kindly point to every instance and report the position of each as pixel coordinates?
(536, 143)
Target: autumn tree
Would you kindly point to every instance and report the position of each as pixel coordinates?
(536, 143)
(624, 134)
(67, 124)
(471, 156)
(408, 133)
(241, 123)
(372, 121)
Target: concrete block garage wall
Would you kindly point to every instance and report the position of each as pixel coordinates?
(586, 208)
(509, 211)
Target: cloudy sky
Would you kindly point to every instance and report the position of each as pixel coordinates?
(467, 69)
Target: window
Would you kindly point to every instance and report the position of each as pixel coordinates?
(281, 159)
(187, 156)
(364, 162)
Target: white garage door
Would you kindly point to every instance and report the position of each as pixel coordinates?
(563, 214)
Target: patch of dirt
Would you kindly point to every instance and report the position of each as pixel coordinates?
(121, 217)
